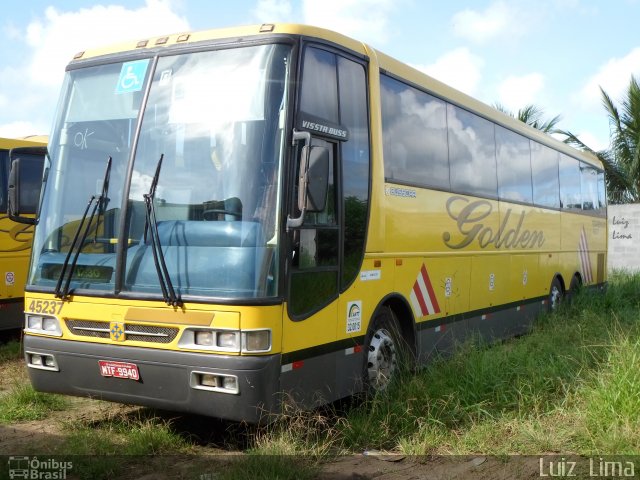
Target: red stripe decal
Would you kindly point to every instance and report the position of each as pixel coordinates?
(432, 294)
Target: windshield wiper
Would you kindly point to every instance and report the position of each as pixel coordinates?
(66, 274)
(168, 292)
(103, 200)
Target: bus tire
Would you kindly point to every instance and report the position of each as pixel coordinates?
(574, 287)
(556, 294)
(385, 350)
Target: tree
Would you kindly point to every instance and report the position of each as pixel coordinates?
(622, 160)
(532, 116)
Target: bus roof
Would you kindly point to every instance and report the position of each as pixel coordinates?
(385, 62)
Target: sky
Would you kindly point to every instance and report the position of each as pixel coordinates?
(555, 54)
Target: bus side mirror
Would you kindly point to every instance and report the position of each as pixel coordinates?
(313, 178)
(27, 164)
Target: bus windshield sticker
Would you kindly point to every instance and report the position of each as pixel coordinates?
(132, 76)
(367, 275)
(354, 316)
(323, 127)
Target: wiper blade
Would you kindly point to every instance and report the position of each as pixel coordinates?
(66, 274)
(103, 201)
(151, 224)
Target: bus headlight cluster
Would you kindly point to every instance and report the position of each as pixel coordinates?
(249, 341)
(43, 324)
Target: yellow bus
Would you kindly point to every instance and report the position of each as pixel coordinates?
(15, 238)
(238, 218)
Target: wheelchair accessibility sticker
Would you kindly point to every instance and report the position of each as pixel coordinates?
(132, 76)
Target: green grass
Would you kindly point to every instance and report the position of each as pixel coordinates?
(571, 386)
(11, 350)
(105, 449)
(23, 403)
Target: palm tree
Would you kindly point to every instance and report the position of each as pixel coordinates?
(622, 160)
(532, 116)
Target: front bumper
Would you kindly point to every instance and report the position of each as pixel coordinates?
(165, 378)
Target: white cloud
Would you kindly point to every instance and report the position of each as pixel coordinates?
(273, 11)
(458, 68)
(497, 20)
(31, 89)
(517, 92)
(60, 35)
(365, 20)
(613, 77)
(22, 128)
(592, 141)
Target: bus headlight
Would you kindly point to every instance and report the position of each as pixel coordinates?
(256, 341)
(227, 340)
(204, 338)
(210, 339)
(42, 324)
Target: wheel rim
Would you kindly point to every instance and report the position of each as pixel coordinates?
(554, 297)
(381, 360)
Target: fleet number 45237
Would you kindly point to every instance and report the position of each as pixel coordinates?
(51, 307)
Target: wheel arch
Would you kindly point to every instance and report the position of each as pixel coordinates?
(560, 279)
(577, 277)
(403, 313)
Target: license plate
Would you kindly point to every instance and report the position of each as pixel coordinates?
(119, 370)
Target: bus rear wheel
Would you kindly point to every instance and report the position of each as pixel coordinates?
(555, 295)
(384, 352)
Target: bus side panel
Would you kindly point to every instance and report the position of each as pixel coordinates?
(524, 277)
(309, 357)
(583, 245)
(437, 289)
(549, 222)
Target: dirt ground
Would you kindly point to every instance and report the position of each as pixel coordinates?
(212, 452)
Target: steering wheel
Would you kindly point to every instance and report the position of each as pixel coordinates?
(219, 211)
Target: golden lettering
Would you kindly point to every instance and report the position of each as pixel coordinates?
(469, 223)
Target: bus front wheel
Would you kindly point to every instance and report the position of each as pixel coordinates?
(384, 352)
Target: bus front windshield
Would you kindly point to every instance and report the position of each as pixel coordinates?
(211, 133)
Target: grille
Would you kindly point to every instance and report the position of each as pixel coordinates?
(134, 332)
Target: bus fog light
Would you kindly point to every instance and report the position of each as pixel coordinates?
(209, 380)
(213, 382)
(204, 337)
(227, 340)
(230, 383)
(256, 341)
(41, 361)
